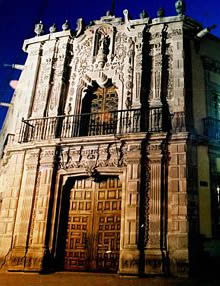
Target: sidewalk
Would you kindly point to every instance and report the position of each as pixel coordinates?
(90, 279)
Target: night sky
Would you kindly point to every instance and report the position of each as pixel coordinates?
(17, 19)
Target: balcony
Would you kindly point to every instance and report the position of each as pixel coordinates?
(212, 128)
(112, 122)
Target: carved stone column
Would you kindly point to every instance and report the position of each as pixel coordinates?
(37, 254)
(153, 250)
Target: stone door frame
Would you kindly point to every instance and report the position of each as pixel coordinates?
(62, 178)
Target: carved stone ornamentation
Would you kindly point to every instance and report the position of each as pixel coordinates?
(44, 80)
(180, 7)
(160, 13)
(153, 199)
(39, 29)
(126, 16)
(108, 155)
(59, 80)
(66, 26)
(102, 50)
(83, 51)
(169, 76)
(143, 14)
(53, 29)
(80, 27)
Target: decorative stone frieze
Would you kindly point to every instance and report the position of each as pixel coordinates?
(101, 155)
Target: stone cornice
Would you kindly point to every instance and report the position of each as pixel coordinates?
(91, 140)
(188, 23)
(46, 37)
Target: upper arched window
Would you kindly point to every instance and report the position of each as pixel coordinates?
(99, 111)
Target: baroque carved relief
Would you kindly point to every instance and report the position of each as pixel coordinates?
(82, 52)
(44, 79)
(59, 79)
(169, 71)
(90, 157)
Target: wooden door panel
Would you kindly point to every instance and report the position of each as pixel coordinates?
(108, 245)
(108, 220)
(76, 256)
(93, 234)
(79, 225)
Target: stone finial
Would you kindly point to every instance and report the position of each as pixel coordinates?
(160, 12)
(39, 28)
(180, 7)
(80, 27)
(109, 13)
(126, 16)
(143, 14)
(53, 29)
(66, 26)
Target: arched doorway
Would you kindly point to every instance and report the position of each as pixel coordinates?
(99, 112)
(92, 239)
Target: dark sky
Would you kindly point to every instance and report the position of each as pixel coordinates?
(17, 19)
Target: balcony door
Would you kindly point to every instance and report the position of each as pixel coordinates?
(99, 112)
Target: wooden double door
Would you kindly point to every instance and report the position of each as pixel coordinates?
(93, 229)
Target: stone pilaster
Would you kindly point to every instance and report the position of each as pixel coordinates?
(27, 86)
(25, 210)
(43, 83)
(37, 255)
(11, 175)
(154, 220)
(178, 71)
(156, 44)
(129, 253)
(57, 95)
(178, 198)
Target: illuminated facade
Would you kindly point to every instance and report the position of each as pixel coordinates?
(111, 155)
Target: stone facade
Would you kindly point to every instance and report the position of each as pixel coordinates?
(151, 145)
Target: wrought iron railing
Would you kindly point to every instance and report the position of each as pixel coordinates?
(155, 122)
(92, 124)
(68, 126)
(212, 128)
